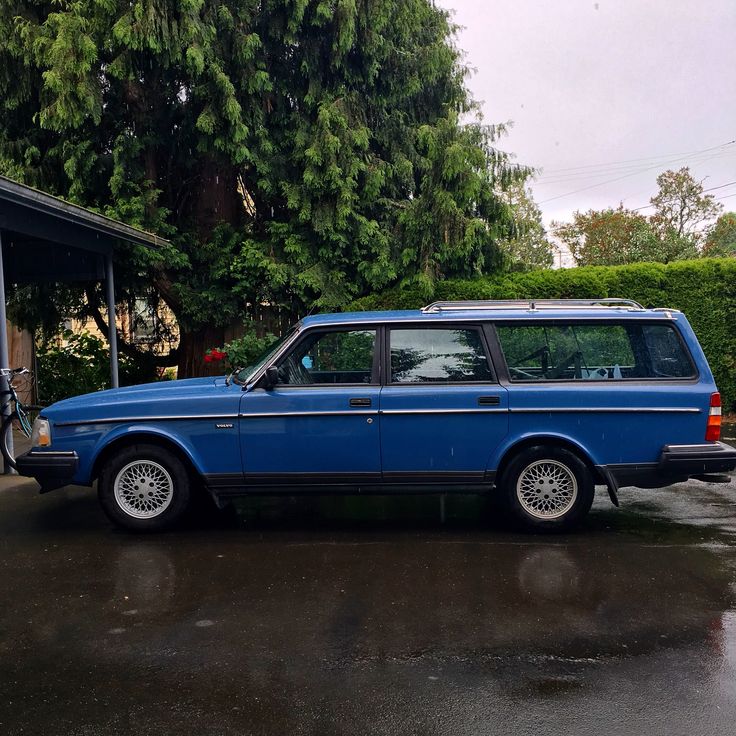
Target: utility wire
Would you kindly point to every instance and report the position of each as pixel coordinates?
(710, 189)
(646, 158)
(691, 161)
(611, 181)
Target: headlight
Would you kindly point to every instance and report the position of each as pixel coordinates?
(41, 434)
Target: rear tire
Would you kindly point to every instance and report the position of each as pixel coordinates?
(144, 488)
(547, 488)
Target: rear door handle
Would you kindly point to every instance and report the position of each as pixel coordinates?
(360, 402)
(489, 400)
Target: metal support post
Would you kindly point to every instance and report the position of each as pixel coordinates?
(112, 329)
(4, 359)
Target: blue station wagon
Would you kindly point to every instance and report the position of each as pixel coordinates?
(536, 401)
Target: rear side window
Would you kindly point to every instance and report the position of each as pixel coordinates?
(585, 352)
(438, 355)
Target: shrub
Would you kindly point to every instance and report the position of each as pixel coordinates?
(80, 365)
(240, 352)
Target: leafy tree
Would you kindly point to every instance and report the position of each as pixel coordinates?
(529, 247)
(721, 240)
(682, 209)
(295, 152)
(609, 237)
(676, 231)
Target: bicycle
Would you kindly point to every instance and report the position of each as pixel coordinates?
(23, 414)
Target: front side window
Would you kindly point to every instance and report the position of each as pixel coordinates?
(438, 355)
(330, 357)
(589, 352)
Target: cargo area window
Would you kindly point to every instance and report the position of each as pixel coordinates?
(438, 355)
(585, 352)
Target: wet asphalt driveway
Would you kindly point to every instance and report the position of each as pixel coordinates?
(369, 616)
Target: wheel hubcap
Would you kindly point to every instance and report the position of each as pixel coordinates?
(546, 489)
(143, 489)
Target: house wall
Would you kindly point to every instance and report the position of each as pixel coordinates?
(20, 353)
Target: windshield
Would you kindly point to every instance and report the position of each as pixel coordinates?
(244, 375)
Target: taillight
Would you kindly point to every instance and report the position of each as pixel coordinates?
(713, 428)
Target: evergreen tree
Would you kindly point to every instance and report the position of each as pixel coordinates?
(530, 247)
(295, 152)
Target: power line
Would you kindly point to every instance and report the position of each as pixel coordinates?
(645, 158)
(710, 189)
(695, 160)
(720, 186)
(611, 181)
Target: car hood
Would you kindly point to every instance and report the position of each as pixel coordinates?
(102, 404)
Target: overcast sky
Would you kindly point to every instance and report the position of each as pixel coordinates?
(590, 85)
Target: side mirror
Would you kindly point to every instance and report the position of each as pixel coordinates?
(272, 377)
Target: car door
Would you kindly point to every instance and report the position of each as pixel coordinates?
(318, 424)
(442, 411)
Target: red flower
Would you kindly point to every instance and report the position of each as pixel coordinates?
(207, 358)
(218, 355)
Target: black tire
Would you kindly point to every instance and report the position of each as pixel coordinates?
(6, 431)
(154, 488)
(547, 488)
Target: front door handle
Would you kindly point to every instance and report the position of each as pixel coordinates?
(360, 402)
(489, 400)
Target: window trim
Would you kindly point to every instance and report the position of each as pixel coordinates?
(477, 327)
(307, 333)
(693, 378)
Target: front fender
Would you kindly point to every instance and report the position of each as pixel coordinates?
(211, 447)
(183, 443)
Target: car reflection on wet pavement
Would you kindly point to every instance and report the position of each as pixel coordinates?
(369, 616)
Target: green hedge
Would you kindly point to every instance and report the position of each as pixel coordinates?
(705, 290)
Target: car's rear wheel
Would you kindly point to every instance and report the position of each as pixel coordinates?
(547, 488)
(144, 488)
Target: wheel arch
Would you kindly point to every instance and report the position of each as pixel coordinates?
(143, 436)
(549, 440)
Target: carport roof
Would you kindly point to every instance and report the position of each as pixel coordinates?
(46, 239)
(29, 211)
(49, 239)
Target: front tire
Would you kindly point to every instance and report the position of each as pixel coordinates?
(144, 488)
(547, 488)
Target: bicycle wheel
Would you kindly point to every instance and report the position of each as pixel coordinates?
(6, 432)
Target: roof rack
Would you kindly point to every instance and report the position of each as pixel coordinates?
(531, 305)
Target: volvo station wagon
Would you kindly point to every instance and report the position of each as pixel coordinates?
(534, 401)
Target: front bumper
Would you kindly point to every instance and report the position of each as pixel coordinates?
(51, 469)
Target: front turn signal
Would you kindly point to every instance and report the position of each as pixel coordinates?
(41, 434)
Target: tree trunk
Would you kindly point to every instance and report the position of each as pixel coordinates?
(218, 199)
(193, 344)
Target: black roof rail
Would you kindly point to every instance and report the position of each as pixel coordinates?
(530, 304)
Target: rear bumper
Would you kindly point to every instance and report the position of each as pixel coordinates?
(676, 464)
(51, 469)
(714, 457)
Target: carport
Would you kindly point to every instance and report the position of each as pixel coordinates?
(44, 238)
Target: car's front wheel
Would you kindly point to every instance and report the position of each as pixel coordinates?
(547, 488)
(144, 488)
